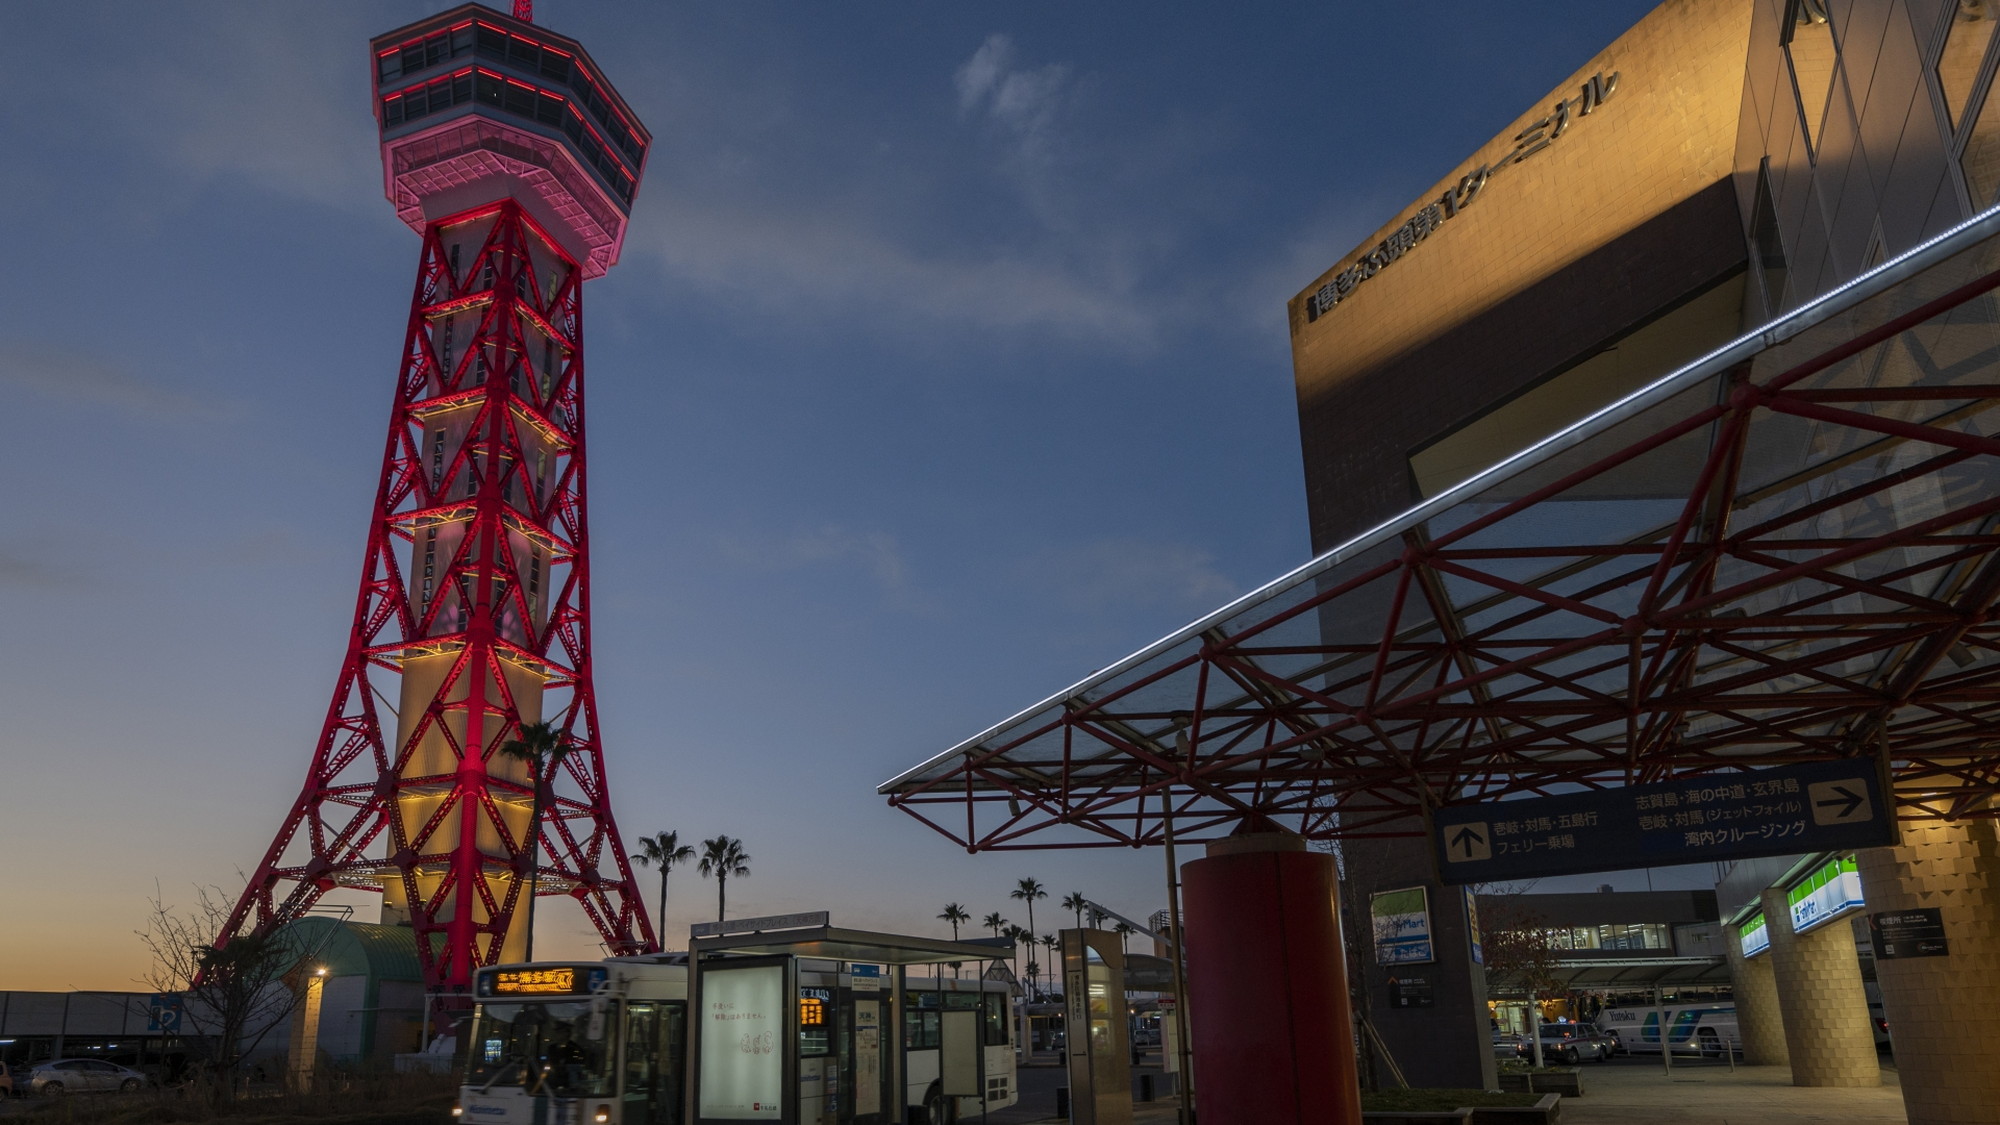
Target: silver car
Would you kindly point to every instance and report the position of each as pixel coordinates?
(79, 1076)
(1569, 1044)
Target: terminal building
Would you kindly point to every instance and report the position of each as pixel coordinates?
(1601, 949)
(1723, 163)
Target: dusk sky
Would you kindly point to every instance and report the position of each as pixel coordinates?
(946, 363)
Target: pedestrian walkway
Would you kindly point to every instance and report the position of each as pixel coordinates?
(1748, 1095)
(1627, 1092)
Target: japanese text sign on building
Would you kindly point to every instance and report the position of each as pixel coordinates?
(1539, 134)
(1908, 933)
(1820, 806)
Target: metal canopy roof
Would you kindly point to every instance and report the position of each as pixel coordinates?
(1633, 972)
(831, 943)
(1783, 552)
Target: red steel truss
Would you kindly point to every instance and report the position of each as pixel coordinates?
(1788, 551)
(473, 618)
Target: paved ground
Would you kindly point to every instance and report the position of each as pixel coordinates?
(1627, 1091)
(1635, 1094)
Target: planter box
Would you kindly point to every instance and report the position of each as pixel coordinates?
(1415, 1117)
(1548, 1111)
(1568, 1083)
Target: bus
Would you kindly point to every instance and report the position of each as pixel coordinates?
(1691, 1028)
(610, 1043)
(926, 1001)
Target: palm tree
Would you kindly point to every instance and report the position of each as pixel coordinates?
(1050, 942)
(1124, 931)
(954, 914)
(1016, 935)
(664, 850)
(994, 922)
(1075, 901)
(1028, 890)
(723, 857)
(542, 746)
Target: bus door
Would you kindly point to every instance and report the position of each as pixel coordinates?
(655, 1046)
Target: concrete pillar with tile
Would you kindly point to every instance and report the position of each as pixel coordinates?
(1825, 1007)
(1760, 1020)
(1943, 1011)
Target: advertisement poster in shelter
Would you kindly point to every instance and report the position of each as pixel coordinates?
(742, 1040)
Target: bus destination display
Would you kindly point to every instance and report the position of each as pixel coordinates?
(563, 981)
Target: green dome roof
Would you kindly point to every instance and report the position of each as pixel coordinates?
(350, 949)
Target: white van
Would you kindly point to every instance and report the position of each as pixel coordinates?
(1691, 1028)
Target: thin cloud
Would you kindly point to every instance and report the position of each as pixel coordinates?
(813, 260)
(1118, 573)
(876, 554)
(1022, 105)
(243, 92)
(69, 376)
(20, 569)
(1021, 100)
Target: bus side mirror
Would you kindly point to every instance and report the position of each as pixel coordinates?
(593, 1028)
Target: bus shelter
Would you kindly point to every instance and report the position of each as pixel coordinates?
(800, 1022)
(1782, 553)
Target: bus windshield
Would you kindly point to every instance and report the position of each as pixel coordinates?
(541, 1047)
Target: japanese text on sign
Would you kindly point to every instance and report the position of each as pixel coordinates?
(1832, 805)
(1594, 92)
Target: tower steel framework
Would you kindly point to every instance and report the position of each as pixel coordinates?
(506, 149)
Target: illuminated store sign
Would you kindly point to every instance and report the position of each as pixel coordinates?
(1402, 924)
(742, 1067)
(1594, 92)
(1832, 891)
(1756, 936)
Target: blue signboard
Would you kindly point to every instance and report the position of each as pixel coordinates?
(164, 1012)
(1785, 810)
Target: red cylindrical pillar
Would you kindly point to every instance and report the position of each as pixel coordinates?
(1273, 1042)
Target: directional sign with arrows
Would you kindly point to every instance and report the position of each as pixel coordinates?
(1786, 810)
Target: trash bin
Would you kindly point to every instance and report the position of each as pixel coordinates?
(1145, 1087)
(1062, 1102)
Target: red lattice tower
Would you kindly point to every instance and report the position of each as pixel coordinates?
(505, 148)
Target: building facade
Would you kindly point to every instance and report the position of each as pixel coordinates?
(1720, 164)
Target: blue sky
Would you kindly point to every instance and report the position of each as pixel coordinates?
(946, 363)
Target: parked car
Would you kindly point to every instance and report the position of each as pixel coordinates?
(1569, 1044)
(76, 1076)
(1605, 1039)
(1506, 1045)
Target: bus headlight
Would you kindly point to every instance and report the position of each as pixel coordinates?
(458, 1111)
(603, 1115)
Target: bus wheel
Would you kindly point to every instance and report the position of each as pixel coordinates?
(938, 1109)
